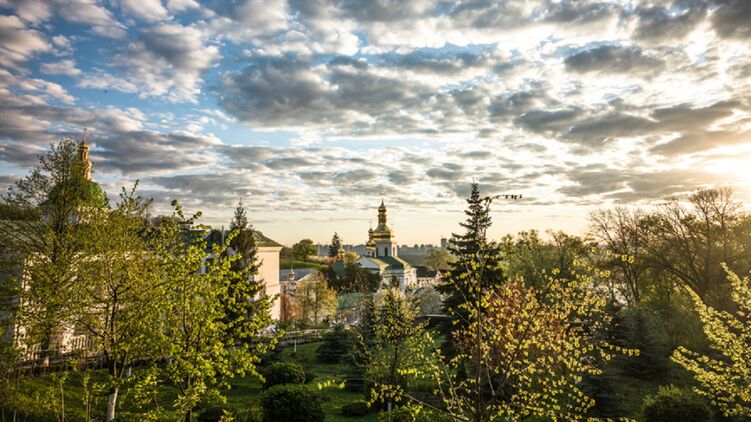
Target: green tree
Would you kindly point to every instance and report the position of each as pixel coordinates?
(438, 259)
(315, 299)
(40, 240)
(688, 240)
(118, 295)
(529, 256)
(203, 357)
(335, 246)
(397, 347)
(477, 265)
(303, 249)
(724, 376)
(244, 312)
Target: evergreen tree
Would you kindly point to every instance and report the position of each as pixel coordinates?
(336, 245)
(243, 288)
(476, 266)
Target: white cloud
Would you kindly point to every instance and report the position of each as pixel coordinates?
(177, 6)
(147, 10)
(19, 43)
(63, 67)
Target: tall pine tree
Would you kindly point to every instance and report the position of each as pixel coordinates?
(336, 245)
(243, 292)
(477, 266)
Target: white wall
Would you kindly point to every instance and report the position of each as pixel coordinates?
(268, 272)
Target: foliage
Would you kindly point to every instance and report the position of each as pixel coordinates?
(315, 299)
(724, 375)
(303, 249)
(216, 414)
(474, 255)
(621, 232)
(528, 256)
(337, 346)
(358, 408)
(354, 279)
(118, 295)
(204, 357)
(335, 246)
(283, 373)
(42, 248)
(438, 259)
(429, 299)
(643, 330)
(291, 403)
(397, 346)
(675, 404)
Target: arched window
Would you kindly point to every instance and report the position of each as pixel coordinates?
(386, 251)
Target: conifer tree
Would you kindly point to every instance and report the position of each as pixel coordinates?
(336, 245)
(243, 287)
(476, 265)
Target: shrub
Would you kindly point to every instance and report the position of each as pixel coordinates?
(291, 403)
(358, 408)
(674, 404)
(283, 373)
(214, 414)
(337, 346)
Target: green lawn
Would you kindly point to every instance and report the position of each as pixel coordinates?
(245, 392)
(286, 264)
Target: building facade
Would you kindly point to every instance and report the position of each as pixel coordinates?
(382, 256)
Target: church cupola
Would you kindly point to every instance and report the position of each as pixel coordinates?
(83, 158)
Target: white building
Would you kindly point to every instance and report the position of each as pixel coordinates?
(382, 256)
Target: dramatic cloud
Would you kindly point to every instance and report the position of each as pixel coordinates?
(313, 107)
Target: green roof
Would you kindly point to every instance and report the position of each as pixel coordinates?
(390, 262)
(263, 241)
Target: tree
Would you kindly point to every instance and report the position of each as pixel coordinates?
(528, 352)
(336, 245)
(118, 296)
(477, 265)
(354, 279)
(689, 241)
(724, 376)
(303, 249)
(244, 314)
(205, 350)
(40, 240)
(438, 259)
(622, 233)
(529, 256)
(397, 346)
(315, 299)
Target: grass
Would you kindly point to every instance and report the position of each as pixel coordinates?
(286, 264)
(246, 391)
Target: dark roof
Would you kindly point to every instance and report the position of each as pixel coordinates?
(423, 271)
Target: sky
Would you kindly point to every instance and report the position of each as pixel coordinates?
(312, 111)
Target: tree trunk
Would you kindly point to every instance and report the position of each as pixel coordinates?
(111, 402)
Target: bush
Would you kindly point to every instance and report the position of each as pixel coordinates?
(358, 408)
(674, 404)
(291, 403)
(214, 414)
(337, 346)
(283, 373)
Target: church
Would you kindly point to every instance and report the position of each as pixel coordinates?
(382, 256)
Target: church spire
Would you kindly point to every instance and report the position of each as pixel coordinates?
(83, 157)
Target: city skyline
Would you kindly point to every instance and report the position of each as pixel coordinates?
(311, 112)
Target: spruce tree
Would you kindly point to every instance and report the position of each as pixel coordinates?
(336, 245)
(243, 288)
(477, 266)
